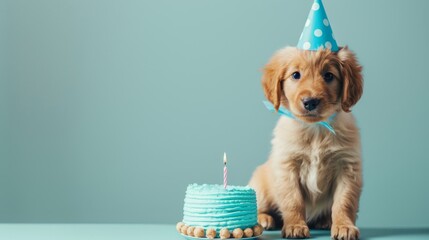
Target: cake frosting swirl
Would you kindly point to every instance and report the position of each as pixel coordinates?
(213, 206)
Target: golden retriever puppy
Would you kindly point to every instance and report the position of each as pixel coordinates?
(313, 178)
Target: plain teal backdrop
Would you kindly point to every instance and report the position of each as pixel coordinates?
(108, 109)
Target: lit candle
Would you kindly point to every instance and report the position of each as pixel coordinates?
(225, 171)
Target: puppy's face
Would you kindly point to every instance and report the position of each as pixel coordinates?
(313, 85)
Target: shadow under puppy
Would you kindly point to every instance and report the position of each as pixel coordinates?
(313, 178)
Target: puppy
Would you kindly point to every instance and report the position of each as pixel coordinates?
(313, 178)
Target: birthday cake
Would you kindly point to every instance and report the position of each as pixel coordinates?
(211, 211)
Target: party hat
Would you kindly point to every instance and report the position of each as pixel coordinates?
(317, 31)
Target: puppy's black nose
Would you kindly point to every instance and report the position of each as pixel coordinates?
(310, 103)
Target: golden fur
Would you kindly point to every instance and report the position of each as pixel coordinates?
(312, 178)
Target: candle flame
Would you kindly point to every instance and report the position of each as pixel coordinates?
(224, 158)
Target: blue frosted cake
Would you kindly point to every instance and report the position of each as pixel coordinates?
(212, 211)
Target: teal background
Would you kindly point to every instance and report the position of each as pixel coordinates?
(108, 109)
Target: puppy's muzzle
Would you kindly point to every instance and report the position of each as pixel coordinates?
(310, 103)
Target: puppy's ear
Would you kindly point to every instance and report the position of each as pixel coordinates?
(351, 73)
(274, 73)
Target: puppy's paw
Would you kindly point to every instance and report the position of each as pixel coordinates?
(266, 221)
(295, 231)
(344, 232)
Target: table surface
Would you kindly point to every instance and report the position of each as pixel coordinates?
(167, 232)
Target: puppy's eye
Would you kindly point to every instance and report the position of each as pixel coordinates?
(328, 77)
(296, 75)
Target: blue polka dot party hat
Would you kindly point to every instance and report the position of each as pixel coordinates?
(317, 31)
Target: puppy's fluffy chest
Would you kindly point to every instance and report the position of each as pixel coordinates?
(317, 170)
(317, 154)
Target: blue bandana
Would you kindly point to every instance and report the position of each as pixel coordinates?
(283, 111)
